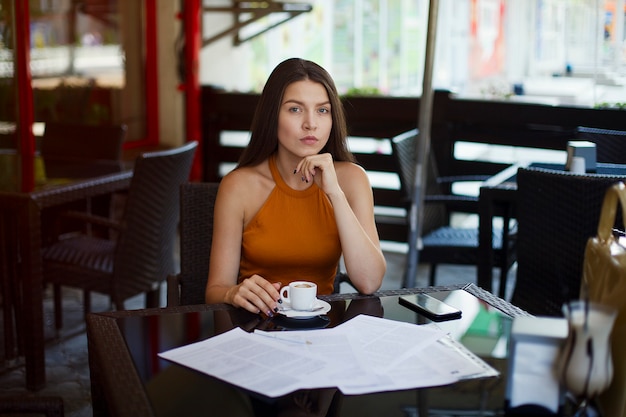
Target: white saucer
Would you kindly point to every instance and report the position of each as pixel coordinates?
(301, 314)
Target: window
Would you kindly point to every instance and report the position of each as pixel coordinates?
(555, 51)
(87, 63)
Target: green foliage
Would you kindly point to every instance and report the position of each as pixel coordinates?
(363, 91)
(605, 105)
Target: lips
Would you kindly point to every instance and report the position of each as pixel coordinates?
(309, 140)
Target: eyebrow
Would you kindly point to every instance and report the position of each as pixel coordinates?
(302, 103)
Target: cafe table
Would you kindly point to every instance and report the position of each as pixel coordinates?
(129, 378)
(20, 250)
(498, 194)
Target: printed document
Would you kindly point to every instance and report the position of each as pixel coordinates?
(363, 355)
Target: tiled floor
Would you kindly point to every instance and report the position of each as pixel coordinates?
(66, 354)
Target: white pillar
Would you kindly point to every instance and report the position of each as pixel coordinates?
(618, 35)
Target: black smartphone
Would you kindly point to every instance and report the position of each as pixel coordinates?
(430, 307)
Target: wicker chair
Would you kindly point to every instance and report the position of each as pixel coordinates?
(142, 256)
(196, 230)
(610, 144)
(441, 242)
(557, 213)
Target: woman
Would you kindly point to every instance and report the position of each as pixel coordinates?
(296, 201)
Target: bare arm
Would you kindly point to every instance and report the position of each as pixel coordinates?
(350, 193)
(255, 294)
(354, 211)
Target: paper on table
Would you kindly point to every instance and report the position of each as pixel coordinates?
(333, 346)
(408, 356)
(385, 342)
(459, 361)
(257, 364)
(363, 355)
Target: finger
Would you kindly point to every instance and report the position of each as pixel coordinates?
(311, 169)
(299, 167)
(242, 299)
(262, 294)
(301, 171)
(268, 288)
(304, 170)
(253, 304)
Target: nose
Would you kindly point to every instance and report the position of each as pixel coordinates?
(309, 122)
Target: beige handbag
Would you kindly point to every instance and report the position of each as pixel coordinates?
(604, 282)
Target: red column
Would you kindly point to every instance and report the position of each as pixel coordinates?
(24, 96)
(152, 75)
(193, 39)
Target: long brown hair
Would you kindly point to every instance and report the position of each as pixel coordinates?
(264, 138)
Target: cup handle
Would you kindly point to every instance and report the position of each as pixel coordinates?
(282, 292)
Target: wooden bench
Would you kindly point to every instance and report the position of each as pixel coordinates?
(455, 121)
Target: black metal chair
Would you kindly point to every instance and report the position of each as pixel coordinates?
(557, 213)
(142, 256)
(442, 243)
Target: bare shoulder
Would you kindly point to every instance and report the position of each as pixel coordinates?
(246, 189)
(349, 171)
(352, 177)
(237, 180)
(246, 179)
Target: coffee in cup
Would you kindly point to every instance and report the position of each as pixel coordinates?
(301, 295)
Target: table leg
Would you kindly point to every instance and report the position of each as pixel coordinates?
(484, 277)
(7, 269)
(422, 402)
(32, 293)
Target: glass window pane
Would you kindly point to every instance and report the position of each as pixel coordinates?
(547, 51)
(9, 163)
(87, 63)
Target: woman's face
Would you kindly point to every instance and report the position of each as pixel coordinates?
(304, 119)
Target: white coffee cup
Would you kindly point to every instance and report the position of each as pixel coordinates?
(301, 295)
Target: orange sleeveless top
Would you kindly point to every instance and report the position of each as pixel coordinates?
(293, 237)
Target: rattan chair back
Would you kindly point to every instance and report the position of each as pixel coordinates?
(610, 144)
(197, 201)
(145, 251)
(404, 153)
(143, 254)
(557, 213)
(443, 243)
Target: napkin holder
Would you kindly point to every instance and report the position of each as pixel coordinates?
(533, 388)
(583, 149)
